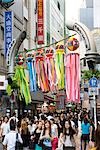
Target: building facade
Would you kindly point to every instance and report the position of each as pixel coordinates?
(25, 18)
(89, 16)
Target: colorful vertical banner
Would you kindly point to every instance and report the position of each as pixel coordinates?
(72, 77)
(8, 29)
(40, 22)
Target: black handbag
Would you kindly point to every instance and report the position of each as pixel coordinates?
(18, 145)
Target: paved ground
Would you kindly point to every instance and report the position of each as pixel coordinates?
(1, 148)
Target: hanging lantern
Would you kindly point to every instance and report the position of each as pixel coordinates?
(29, 56)
(72, 44)
(20, 59)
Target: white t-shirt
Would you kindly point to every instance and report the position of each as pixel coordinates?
(5, 127)
(72, 124)
(10, 140)
(32, 128)
(68, 141)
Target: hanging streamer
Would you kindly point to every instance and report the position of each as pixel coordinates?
(72, 69)
(22, 83)
(59, 65)
(32, 72)
(43, 81)
(50, 70)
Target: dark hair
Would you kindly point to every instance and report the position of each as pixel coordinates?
(52, 119)
(49, 127)
(86, 120)
(12, 124)
(71, 130)
(14, 113)
(97, 138)
(43, 117)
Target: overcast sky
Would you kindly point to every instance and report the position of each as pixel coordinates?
(72, 7)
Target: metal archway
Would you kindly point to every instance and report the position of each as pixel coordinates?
(92, 56)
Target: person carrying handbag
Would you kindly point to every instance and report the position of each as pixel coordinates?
(10, 139)
(36, 137)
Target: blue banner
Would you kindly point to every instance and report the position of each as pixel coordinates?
(8, 29)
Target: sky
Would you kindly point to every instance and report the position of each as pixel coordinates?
(72, 7)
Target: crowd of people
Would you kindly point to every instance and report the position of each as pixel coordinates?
(65, 131)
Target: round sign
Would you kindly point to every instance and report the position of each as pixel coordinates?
(72, 44)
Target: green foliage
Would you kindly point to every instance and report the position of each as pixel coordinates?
(87, 74)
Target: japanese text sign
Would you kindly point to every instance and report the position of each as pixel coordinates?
(8, 29)
(40, 22)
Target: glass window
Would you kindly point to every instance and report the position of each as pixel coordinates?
(25, 24)
(2, 60)
(26, 3)
(2, 33)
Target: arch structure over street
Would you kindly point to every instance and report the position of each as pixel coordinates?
(13, 51)
(92, 56)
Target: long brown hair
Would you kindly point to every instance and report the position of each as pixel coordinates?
(97, 138)
(24, 127)
(49, 127)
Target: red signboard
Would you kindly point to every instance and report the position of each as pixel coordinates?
(40, 22)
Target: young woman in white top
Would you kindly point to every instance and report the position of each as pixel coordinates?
(10, 139)
(67, 137)
(4, 127)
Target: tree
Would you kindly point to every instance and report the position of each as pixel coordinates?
(87, 74)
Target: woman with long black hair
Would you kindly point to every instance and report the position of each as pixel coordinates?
(67, 137)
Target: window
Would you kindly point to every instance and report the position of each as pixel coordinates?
(2, 33)
(1, 83)
(26, 3)
(2, 60)
(84, 62)
(25, 24)
(58, 5)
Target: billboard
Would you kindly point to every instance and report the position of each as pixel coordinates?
(8, 29)
(40, 22)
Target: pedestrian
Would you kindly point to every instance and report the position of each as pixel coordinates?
(4, 128)
(97, 139)
(36, 136)
(85, 138)
(25, 134)
(54, 134)
(67, 137)
(10, 138)
(61, 123)
(46, 136)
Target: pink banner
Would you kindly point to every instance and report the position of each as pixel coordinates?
(72, 76)
(40, 22)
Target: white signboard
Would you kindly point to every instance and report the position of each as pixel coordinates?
(3, 83)
(93, 91)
